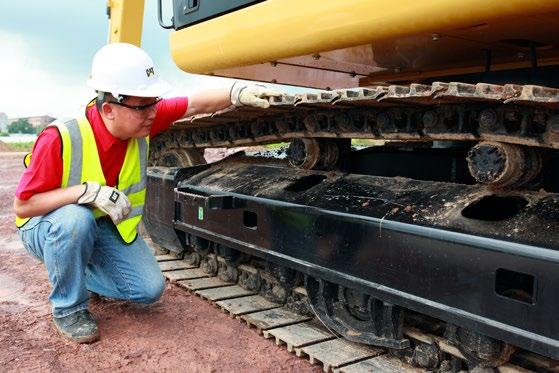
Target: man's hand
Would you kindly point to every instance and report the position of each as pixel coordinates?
(252, 95)
(107, 199)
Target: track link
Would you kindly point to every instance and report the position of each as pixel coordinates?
(525, 115)
(305, 336)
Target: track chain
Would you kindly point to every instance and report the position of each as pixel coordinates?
(305, 336)
(526, 115)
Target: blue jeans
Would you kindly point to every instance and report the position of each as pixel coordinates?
(82, 253)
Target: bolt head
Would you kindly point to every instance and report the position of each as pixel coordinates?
(488, 119)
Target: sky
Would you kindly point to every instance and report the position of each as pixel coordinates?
(46, 49)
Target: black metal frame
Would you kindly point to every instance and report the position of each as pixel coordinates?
(448, 272)
(190, 12)
(445, 274)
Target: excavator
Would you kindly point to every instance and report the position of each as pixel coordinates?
(414, 206)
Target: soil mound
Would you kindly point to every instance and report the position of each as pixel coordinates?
(4, 147)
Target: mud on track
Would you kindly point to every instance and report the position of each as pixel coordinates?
(178, 333)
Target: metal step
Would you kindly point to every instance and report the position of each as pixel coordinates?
(243, 305)
(185, 274)
(273, 318)
(298, 335)
(203, 283)
(175, 265)
(165, 257)
(379, 364)
(336, 353)
(222, 293)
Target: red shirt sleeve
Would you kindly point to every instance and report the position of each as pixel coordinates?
(168, 111)
(45, 171)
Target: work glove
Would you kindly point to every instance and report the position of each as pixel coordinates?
(252, 95)
(107, 199)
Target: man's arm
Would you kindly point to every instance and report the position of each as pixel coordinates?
(213, 100)
(108, 199)
(208, 101)
(39, 191)
(43, 203)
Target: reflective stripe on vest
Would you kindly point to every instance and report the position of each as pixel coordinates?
(77, 134)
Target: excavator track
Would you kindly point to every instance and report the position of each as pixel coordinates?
(305, 336)
(514, 114)
(511, 132)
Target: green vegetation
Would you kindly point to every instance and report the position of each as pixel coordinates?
(366, 142)
(354, 142)
(25, 146)
(277, 145)
(4, 134)
(21, 126)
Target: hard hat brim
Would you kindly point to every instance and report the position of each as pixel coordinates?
(157, 89)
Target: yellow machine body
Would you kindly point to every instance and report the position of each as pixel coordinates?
(126, 21)
(335, 44)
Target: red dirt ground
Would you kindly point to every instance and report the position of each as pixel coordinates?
(4, 147)
(180, 332)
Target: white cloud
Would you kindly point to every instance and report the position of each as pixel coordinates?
(37, 80)
(28, 88)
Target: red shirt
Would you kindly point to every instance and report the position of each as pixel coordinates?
(45, 171)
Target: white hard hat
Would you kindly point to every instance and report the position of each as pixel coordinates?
(124, 69)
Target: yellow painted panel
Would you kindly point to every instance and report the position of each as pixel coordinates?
(126, 21)
(276, 29)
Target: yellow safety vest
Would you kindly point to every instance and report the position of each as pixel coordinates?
(81, 163)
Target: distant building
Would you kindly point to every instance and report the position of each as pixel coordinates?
(40, 121)
(4, 122)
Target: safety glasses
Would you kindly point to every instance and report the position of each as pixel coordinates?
(136, 107)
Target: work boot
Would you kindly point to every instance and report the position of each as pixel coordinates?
(78, 327)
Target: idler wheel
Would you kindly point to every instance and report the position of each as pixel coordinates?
(502, 165)
(356, 316)
(176, 157)
(480, 351)
(313, 154)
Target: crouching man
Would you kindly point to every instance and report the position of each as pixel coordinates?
(81, 198)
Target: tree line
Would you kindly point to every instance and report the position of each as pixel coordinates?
(22, 125)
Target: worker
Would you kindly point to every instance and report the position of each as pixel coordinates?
(80, 200)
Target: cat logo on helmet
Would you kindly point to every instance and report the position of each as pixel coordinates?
(150, 72)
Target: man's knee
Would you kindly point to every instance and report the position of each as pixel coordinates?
(152, 291)
(74, 221)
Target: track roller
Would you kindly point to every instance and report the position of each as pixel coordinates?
(313, 154)
(502, 165)
(357, 316)
(176, 157)
(480, 351)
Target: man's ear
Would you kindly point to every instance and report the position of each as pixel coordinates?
(107, 110)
